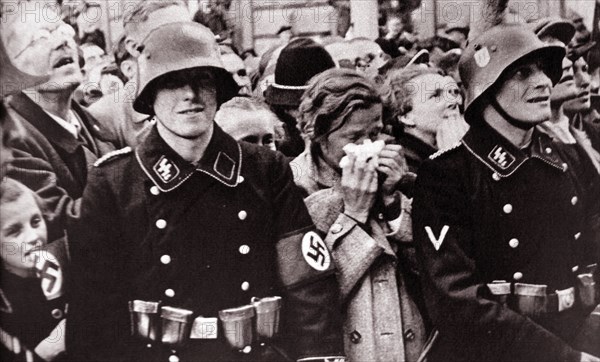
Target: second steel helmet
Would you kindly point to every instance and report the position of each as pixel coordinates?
(175, 47)
(488, 56)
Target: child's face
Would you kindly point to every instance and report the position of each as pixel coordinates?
(22, 230)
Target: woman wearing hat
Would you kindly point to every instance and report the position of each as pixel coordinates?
(506, 223)
(353, 198)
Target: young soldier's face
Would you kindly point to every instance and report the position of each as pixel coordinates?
(525, 93)
(22, 231)
(186, 102)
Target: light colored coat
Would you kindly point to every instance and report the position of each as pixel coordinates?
(382, 323)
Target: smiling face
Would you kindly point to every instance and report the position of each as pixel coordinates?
(434, 99)
(582, 102)
(362, 124)
(44, 46)
(186, 102)
(22, 230)
(525, 92)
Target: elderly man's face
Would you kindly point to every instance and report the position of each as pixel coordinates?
(43, 44)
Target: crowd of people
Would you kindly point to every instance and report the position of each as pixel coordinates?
(387, 199)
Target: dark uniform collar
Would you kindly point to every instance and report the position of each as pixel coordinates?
(222, 160)
(500, 155)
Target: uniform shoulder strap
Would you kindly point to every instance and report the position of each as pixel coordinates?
(112, 155)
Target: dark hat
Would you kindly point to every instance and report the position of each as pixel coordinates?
(299, 61)
(12, 80)
(580, 45)
(558, 28)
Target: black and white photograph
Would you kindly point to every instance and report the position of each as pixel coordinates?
(300, 180)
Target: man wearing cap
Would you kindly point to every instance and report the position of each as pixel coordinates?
(507, 222)
(298, 62)
(196, 237)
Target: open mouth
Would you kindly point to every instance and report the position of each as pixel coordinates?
(539, 99)
(193, 110)
(63, 61)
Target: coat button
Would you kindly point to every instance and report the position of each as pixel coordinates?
(240, 179)
(574, 200)
(161, 223)
(154, 190)
(242, 215)
(565, 166)
(496, 176)
(165, 259)
(409, 335)
(380, 216)
(57, 313)
(245, 286)
(170, 293)
(548, 150)
(507, 208)
(513, 243)
(244, 249)
(575, 268)
(355, 337)
(247, 349)
(173, 358)
(517, 276)
(577, 236)
(336, 228)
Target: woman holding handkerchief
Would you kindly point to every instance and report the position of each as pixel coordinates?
(351, 178)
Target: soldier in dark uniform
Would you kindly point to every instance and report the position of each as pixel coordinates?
(507, 222)
(192, 230)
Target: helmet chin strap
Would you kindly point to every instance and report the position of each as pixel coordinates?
(510, 119)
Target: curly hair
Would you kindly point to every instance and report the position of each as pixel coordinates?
(398, 88)
(330, 98)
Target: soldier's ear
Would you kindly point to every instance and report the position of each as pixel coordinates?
(133, 47)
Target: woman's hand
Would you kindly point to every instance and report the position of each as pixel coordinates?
(393, 165)
(359, 187)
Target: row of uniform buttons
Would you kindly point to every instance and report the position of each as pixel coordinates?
(166, 258)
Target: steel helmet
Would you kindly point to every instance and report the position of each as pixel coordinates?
(175, 47)
(488, 56)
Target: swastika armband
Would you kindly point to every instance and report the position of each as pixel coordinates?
(49, 265)
(302, 256)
